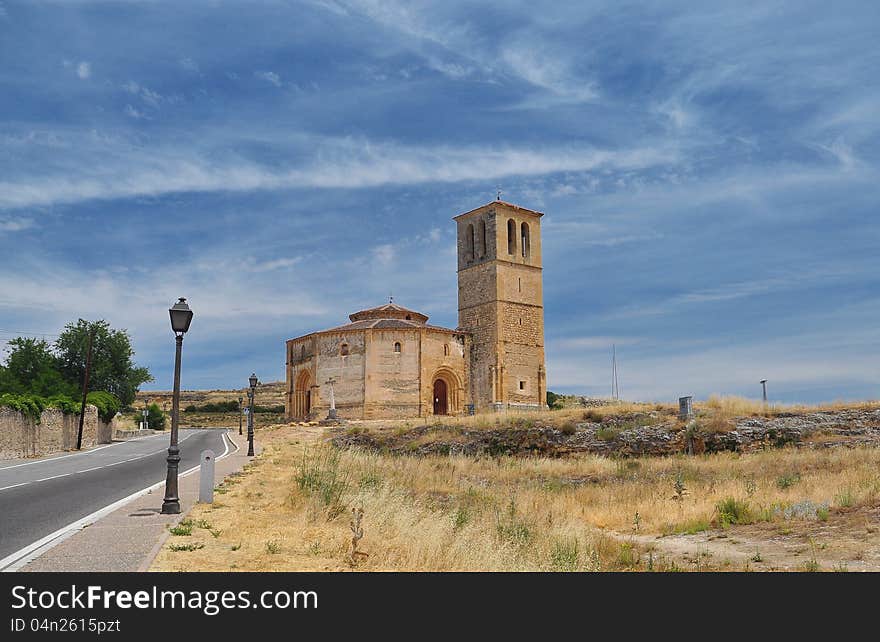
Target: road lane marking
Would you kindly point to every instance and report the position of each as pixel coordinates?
(77, 472)
(36, 481)
(24, 556)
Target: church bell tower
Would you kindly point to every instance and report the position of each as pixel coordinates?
(501, 304)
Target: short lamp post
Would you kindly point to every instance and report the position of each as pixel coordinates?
(240, 413)
(181, 317)
(251, 394)
(763, 383)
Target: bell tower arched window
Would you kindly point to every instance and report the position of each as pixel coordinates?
(511, 236)
(469, 240)
(483, 249)
(525, 241)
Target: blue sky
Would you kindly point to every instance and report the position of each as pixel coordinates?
(709, 173)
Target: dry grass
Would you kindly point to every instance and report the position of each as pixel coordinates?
(292, 510)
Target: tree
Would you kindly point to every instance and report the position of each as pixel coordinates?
(155, 417)
(112, 367)
(32, 368)
(554, 401)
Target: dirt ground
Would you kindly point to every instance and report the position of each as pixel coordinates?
(849, 540)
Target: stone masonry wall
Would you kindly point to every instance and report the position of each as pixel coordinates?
(56, 432)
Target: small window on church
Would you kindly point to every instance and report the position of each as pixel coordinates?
(446, 350)
(343, 349)
(409, 317)
(397, 346)
(522, 385)
(483, 250)
(469, 239)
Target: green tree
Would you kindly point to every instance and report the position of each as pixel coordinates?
(554, 401)
(113, 369)
(32, 368)
(155, 417)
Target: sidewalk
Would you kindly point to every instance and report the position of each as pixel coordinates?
(128, 538)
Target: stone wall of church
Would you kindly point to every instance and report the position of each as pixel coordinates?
(347, 370)
(392, 378)
(446, 356)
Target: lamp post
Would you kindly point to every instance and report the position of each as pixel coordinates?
(240, 413)
(251, 394)
(763, 383)
(181, 317)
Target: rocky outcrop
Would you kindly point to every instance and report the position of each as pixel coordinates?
(631, 435)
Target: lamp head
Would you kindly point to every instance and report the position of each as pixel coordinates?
(181, 317)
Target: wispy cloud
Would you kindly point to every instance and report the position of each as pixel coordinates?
(338, 163)
(15, 224)
(269, 76)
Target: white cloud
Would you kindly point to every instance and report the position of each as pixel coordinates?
(15, 224)
(384, 254)
(189, 64)
(122, 171)
(133, 113)
(269, 76)
(84, 70)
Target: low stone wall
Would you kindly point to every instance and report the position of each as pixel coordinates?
(20, 437)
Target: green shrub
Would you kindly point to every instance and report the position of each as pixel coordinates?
(31, 406)
(155, 417)
(107, 404)
(734, 511)
(787, 481)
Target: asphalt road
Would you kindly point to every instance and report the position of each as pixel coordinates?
(39, 497)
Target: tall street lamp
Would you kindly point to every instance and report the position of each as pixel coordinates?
(240, 413)
(251, 393)
(181, 317)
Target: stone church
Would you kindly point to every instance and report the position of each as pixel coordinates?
(389, 362)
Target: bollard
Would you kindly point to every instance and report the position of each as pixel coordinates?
(206, 478)
(685, 408)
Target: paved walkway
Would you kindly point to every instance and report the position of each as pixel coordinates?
(128, 538)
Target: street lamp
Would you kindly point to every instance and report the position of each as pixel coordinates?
(239, 415)
(251, 393)
(763, 383)
(181, 317)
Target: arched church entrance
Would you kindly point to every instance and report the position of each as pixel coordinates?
(441, 398)
(446, 391)
(302, 396)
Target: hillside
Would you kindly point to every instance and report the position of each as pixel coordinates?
(268, 394)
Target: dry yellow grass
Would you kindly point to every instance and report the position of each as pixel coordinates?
(291, 510)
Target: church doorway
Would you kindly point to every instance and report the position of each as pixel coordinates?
(440, 397)
(302, 398)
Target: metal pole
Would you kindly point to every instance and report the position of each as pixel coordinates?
(250, 434)
(240, 413)
(764, 385)
(82, 409)
(171, 504)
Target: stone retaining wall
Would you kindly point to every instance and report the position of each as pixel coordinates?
(20, 437)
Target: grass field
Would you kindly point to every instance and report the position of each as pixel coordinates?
(292, 511)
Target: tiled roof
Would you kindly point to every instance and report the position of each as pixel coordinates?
(386, 317)
(506, 204)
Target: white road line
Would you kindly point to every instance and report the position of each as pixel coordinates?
(89, 452)
(30, 552)
(36, 481)
(43, 461)
(77, 472)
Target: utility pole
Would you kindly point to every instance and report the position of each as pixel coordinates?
(615, 388)
(82, 409)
